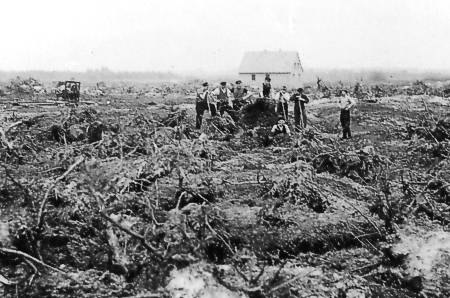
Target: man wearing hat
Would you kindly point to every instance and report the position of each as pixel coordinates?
(240, 94)
(224, 99)
(280, 127)
(299, 100)
(267, 88)
(346, 104)
(282, 99)
(203, 102)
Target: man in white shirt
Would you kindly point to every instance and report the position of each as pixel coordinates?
(346, 104)
(281, 127)
(224, 98)
(282, 99)
(240, 95)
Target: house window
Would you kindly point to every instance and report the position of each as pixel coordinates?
(253, 77)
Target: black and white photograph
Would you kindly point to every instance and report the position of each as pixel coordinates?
(225, 149)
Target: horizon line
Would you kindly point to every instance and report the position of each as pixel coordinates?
(204, 71)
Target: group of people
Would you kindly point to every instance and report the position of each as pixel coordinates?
(223, 99)
(220, 100)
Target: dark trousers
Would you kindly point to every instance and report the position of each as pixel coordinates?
(345, 123)
(282, 109)
(299, 119)
(200, 108)
(225, 107)
(238, 104)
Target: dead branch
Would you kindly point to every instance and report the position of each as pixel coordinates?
(427, 109)
(219, 236)
(141, 238)
(47, 193)
(3, 138)
(5, 281)
(26, 191)
(145, 296)
(277, 274)
(254, 281)
(3, 133)
(35, 271)
(224, 181)
(375, 226)
(31, 258)
(12, 125)
(297, 277)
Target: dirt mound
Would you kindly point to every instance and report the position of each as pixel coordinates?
(260, 113)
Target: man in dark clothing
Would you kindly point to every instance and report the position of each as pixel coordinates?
(203, 102)
(299, 108)
(346, 103)
(267, 88)
(239, 93)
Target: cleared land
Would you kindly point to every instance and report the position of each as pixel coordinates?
(127, 199)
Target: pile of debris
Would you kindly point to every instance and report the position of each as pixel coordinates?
(438, 131)
(26, 86)
(78, 127)
(220, 128)
(359, 165)
(418, 88)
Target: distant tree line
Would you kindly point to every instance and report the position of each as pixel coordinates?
(90, 76)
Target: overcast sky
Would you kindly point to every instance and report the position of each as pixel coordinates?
(186, 35)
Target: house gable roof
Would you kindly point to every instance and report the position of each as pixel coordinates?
(269, 62)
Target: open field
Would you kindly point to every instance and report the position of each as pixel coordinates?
(125, 198)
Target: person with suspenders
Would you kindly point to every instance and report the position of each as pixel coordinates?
(240, 94)
(280, 128)
(203, 102)
(282, 99)
(224, 97)
(346, 104)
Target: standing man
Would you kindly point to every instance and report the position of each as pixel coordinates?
(267, 88)
(282, 99)
(203, 102)
(240, 94)
(299, 108)
(224, 96)
(346, 103)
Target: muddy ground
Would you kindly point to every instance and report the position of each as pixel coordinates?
(127, 199)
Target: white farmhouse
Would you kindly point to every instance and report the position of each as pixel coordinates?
(283, 67)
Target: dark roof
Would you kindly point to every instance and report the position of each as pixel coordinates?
(269, 62)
